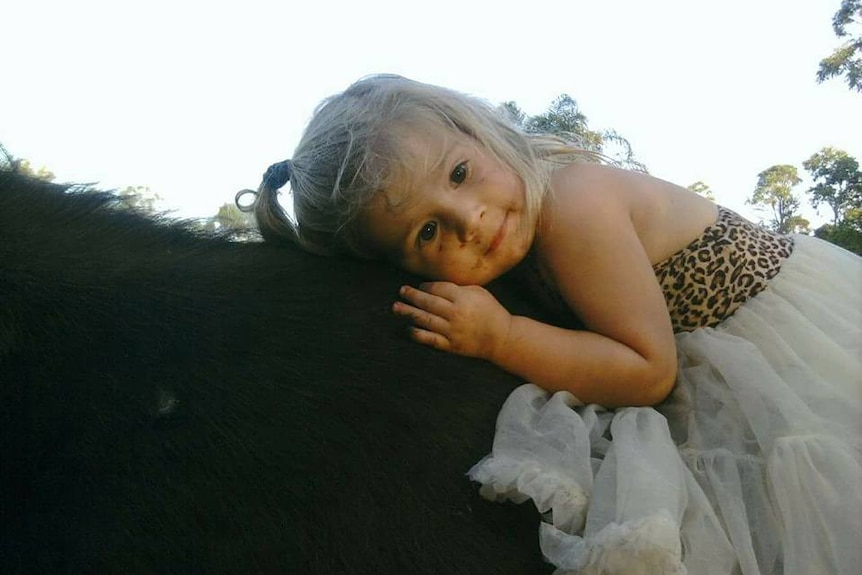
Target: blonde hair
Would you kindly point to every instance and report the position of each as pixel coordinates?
(352, 150)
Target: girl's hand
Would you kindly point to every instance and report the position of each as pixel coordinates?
(466, 320)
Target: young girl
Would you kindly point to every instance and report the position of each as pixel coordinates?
(758, 333)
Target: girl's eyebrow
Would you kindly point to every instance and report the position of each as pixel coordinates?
(409, 239)
(402, 240)
(432, 172)
(449, 149)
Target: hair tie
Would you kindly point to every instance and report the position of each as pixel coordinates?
(242, 204)
(277, 175)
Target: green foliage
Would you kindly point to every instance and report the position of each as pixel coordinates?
(838, 182)
(847, 234)
(22, 166)
(774, 192)
(845, 60)
(25, 167)
(230, 216)
(140, 198)
(797, 224)
(231, 222)
(844, 16)
(617, 147)
(703, 189)
(514, 113)
(565, 119)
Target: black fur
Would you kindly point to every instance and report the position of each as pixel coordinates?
(173, 403)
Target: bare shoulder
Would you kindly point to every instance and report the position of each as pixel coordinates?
(665, 217)
(589, 206)
(591, 251)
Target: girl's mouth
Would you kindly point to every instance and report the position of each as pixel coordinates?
(498, 238)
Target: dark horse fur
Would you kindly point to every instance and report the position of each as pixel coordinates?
(173, 403)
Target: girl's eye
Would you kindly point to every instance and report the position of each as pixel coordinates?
(428, 231)
(459, 174)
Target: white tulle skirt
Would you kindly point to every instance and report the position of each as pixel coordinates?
(753, 466)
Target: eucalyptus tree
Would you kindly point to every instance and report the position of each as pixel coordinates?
(846, 59)
(774, 192)
(837, 182)
(22, 166)
(703, 189)
(564, 118)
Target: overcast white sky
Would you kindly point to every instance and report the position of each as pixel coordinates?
(195, 99)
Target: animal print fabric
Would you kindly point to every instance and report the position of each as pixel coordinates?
(731, 262)
(705, 282)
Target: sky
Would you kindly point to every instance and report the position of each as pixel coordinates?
(195, 99)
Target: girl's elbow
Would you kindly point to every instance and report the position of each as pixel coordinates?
(661, 381)
(661, 389)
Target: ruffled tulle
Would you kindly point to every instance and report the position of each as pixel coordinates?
(753, 466)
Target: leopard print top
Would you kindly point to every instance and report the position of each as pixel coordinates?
(705, 282)
(731, 262)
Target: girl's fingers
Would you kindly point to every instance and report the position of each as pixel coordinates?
(429, 338)
(446, 290)
(420, 318)
(425, 300)
(426, 327)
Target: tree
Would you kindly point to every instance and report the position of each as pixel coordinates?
(565, 119)
(774, 191)
(847, 234)
(798, 225)
(620, 149)
(703, 189)
(41, 173)
(231, 222)
(22, 166)
(845, 59)
(140, 198)
(838, 182)
(513, 112)
(230, 216)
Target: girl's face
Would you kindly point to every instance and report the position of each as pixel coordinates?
(459, 215)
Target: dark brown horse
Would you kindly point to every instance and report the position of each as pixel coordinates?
(174, 403)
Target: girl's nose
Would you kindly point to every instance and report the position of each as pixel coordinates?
(466, 220)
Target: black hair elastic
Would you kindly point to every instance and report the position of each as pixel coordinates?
(277, 175)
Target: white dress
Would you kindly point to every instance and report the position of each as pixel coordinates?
(753, 465)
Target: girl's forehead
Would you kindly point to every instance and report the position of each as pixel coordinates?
(425, 150)
(423, 156)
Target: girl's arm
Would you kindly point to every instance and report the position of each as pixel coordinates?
(468, 320)
(590, 247)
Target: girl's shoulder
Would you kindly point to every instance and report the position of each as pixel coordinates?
(588, 198)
